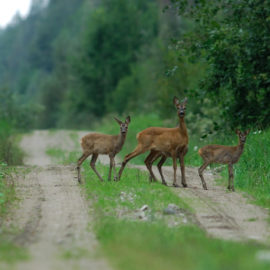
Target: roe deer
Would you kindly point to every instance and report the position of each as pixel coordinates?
(97, 143)
(224, 155)
(168, 142)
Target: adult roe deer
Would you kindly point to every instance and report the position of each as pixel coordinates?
(168, 142)
(102, 144)
(222, 154)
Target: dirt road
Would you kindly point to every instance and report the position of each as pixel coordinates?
(223, 214)
(53, 216)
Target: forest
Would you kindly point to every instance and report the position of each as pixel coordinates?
(70, 63)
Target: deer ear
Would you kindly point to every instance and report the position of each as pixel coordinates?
(237, 131)
(176, 101)
(247, 131)
(118, 121)
(128, 120)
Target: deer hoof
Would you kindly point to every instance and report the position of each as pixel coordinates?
(164, 183)
(176, 185)
(184, 185)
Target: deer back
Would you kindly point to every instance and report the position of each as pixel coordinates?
(220, 153)
(162, 139)
(99, 143)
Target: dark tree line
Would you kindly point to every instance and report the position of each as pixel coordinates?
(72, 62)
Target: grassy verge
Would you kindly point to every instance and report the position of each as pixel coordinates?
(9, 150)
(159, 241)
(7, 193)
(9, 252)
(252, 172)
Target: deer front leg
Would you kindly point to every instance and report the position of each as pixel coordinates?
(231, 185)
(174, 171)
(182, 166)
(110, 170)
(79, 163)
(201, 169)
(138, 150)
(93, 166)
(114, 171)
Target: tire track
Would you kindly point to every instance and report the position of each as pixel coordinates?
(53, 218)
(222, 214)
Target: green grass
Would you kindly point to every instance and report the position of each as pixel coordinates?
(134, 244)
(7, 193)
(61, 156)
(9, 150)
(252, 172)
(9, 252)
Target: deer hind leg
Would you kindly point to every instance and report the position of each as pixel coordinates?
(79, 163)
(161, 162)
(148, 162)
(201, 169)
(114, 170)
(112, 165)
(93, 166)
(182, 166)
(231, 185)
(138, 150)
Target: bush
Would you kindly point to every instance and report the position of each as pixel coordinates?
(9, 151)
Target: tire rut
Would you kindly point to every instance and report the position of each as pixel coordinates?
(222, 214)
(54, 221)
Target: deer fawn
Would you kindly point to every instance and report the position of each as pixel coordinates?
(168, 142)
(224, 155)
(101, 144)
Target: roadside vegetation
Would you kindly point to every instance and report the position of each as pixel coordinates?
(134, 238)
(9, 251)
(10, 155)
(252, 172)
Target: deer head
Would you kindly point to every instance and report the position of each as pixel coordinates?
(242, 135)
(123, 125)
(180, 106)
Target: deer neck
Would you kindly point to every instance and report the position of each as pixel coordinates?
(240, 148)
(120, 141)
(182, 127)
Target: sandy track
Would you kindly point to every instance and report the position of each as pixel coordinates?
(222, 214)
(53, 217)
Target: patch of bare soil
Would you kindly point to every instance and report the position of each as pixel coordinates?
(53, 218)
(221, 213)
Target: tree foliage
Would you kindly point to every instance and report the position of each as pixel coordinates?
(234, 39)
